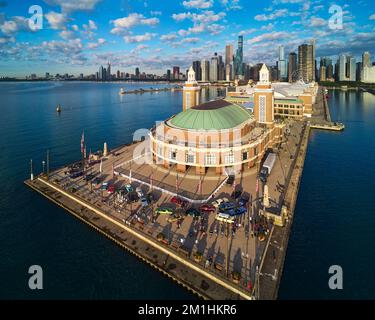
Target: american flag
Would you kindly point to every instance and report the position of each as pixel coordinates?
(83, 142)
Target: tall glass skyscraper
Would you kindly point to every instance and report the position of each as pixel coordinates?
(282, 65)
(239, 59)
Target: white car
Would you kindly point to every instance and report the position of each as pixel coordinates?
(139, 192)
(216, 203)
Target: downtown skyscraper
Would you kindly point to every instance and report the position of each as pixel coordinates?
(292, 67)
(229, 62)
(306, 62)
(238, 63)
(282, 65)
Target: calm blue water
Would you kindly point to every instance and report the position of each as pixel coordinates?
(335, 217)
(333, 221)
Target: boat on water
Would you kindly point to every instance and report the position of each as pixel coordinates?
(122, 91)
(58, 109)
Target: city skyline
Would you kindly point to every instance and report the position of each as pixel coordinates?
(77, 37)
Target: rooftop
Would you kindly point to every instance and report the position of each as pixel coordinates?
(213, 115)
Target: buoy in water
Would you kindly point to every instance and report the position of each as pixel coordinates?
(58, 109)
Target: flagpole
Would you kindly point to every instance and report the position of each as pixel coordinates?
(47, 164)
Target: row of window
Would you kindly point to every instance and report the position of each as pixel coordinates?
(209, 159)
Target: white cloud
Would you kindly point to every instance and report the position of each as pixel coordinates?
(277, 14)
(132, 20)
(204, 17)
(92, 25)
(74, 5)
(268, 27)
(168, 37)
(198, 4)
(139, 38)
(75, 27)
(231, 4)
(66, 34)
(372, 17)
(247, 31)
(16, 24)
(317, 22)
(269, 37)
(56, 20)
(95, 45)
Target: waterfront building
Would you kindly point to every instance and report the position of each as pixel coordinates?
(214, 66)
(102, 73)
(352, 69)
(137, 73)
(368, 74)
(220, 68)
(228, 62)
(291, 100)
(205, 70)
(323, 73)
(218, 135)
(292, 67)
(347, 68)
(198, 70)
(342, 67)
(368, 69)
(306, 62)
(366, 59)
(108, 74)
(169, 75)
(358, 71)
(282, 65)
(176, 73)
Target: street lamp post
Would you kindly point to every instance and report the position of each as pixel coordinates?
(43, 166)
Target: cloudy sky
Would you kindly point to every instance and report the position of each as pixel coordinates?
(80, 35)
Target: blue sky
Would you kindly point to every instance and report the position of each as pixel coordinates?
(80, 35)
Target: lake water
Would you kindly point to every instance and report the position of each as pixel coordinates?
(333, 224)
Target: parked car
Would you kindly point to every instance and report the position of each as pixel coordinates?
(132, 196)
(77, 174)
(144, 202)
(236, 194)
(174, 218)
(104, 186)
(244, 199)
(240, 210)
(96, 182)
(111, 188)
(129, 188)
(192, 212)
(164, 210)
(139, 192)
(230, 180)
(216, 203)
(89, 177)
(227, 206)
(207, 208)
(178, 201)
